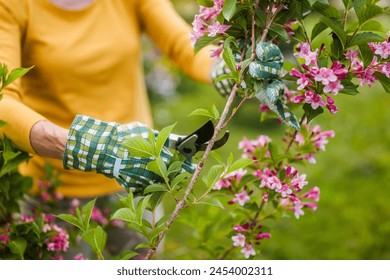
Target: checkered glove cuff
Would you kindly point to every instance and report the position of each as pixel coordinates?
(94, 145)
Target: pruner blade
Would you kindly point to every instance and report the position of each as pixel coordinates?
(198, 141)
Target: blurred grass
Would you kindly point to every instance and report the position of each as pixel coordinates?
(353, 216)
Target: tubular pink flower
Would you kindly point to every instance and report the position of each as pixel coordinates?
(217, 28)
(4, 239)
(313, 194)
(238, 228)
(238, 240)
(263, 235)
(385, 69)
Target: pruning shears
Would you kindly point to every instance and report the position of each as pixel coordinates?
(198, 141)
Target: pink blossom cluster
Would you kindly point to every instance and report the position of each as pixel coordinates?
(313, 77)
(58, 240)
(246, 236)
(205, 22)
(255, 149)
(314, 136)
(48, 192)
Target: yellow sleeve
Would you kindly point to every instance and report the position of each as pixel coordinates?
(19, 117)
(172, 35)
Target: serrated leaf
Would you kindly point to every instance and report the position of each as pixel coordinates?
(155, 188)
(158, 167)
(155, 232)
(174, 168)
(124, 214)
(179, 178)
(162, 137)
(213, 202)
(96, 238)
(373, 25)
(71, 220)
(366, 11)
(213, 175)
(228, 55)
(239, 164)
(366, 54)
(139, 147)
(87, 211)
(141, 207)
(15, 74)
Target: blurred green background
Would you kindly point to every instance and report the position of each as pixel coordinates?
(353, 216)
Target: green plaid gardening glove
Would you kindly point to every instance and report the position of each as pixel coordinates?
(266, 70)
(95, 145)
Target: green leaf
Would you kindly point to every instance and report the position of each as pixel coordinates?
(139, 147)
(212, 113)
(127, 201)
(347, 4)
(278, 30)
(373, 25)
(318, 29)
(14, 74)
(174, 168)
(2, 123)
(205, 3)
(96, 238)
(87, 211)
(365, 37)
(124, 214)
(125, 255)
(228, 55)
(71, 220)
(141, 207)
(366, 11)
(336, 27)
(182, 177)
(18, 247)
(158, 167)
(349, 87)
(162, 138)
(212, 201)
(326, 10)
(366, 54)
(312, 113)
(153, 234)
(273, 149)
(155, 188)
(384, 80)
(213, 175)
(238, 164)
(204, 41)
(228, 9)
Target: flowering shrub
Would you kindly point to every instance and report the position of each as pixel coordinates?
(356, 54)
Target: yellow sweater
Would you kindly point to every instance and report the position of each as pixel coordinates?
(86, 62)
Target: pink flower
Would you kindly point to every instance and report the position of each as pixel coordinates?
(366, 77)
(222, 184)
(298, 210)
(314, 99)
(239, 228)
(263, 235)
(325, 75)
(331, 107)
(333, 87)
(58, 242)
(238, 240)
(241, 198)
(313, 194)
(303, 80)
(248, 251)
(79, 256)
(265, 197)
(385, 69)
(299, 181)
(4, 239)
(381, 49)
(305, 52)
(97, 216)
(217, 28)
